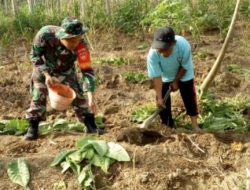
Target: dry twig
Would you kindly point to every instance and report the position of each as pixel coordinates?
(248, 179)
(194, 161)
(193, 143)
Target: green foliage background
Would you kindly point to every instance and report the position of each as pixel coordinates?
(130, 16)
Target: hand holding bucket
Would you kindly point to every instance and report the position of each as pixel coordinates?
(60, 95)
(50, 80)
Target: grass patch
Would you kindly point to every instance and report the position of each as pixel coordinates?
(134, 77)
(113, 61)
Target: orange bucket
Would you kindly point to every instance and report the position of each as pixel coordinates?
(61, 96)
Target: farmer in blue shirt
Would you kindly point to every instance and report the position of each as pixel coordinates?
(169, 64)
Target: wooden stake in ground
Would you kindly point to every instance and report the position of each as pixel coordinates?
(221, 55)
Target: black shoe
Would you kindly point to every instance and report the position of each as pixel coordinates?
(32, 133)
(169, 123)
(90, 124)
(101, 131)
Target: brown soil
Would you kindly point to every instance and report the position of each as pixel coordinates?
(170, 159)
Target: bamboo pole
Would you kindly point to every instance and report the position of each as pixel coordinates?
(221, 55)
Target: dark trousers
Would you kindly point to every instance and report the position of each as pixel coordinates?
(188, 94)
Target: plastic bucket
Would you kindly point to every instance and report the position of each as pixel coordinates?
(61, 96)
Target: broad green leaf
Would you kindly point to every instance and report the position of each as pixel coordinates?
(105, 165)
(102, 162)
(100, 146)
(60, 124)
(2, 126)
(88, 145)
(3, 122)
(21, 125)
(117, 152)
(65, 165)
(80, 144)
(89, 182)
(84, 154)
(99, 121)
(16, 126)
(89, 154)
(45, 127)
(74, 166)
(76, 126)
(83, 174)
(75, 156)
(8, 132)
(18, 172)
(60, 157)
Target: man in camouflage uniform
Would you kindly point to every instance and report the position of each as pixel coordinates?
(53, 55)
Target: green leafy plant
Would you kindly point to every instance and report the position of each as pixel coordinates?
(99, 120)
(129, 13)
(13, 127)
(134, 77)
(234, 68)
(65, 125)
(90, 152)
(191, 16)
(219, 115)
(19, 126)
(172, 12)
(226, 114)
(245, 8)
(60, 125)
(201, 55)
(141, 113)
(142, 46)
(18, 172)
(113, 61)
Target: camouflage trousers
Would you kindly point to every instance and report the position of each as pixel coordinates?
(39, 92)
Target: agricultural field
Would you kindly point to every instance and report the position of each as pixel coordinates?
(159, 158)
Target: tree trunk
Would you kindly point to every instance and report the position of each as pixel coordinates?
(14, 7)
(59, 5)
(5, 6)
(221, 55)
(30, 5)
(108, 7)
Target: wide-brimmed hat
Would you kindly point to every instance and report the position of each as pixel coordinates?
(71, 27)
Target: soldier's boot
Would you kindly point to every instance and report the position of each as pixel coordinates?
(90, 124)
(32, 133)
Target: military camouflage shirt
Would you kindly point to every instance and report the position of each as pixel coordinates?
(48, 54)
